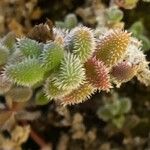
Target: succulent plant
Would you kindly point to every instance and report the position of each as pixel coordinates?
(78, 95)
(112, 47)
(115, 110)
(52, 55)
(71, 73)
(123, 72)
(82, 36)
(52, 91)
(113, 14)
(29, 47)
(4, 53)
(138, 31)
(19, 94)
(97, 74)
(69, 22)
(26, 73)
(69, 65)
(66, 63)
(9, 40)
(41, 98)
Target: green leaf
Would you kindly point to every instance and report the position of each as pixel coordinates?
(145, 42)
(118, 121)
(82, 42)
(59, 24)
(4, 53)
(41, 98)
(114, 108)
(26, 73)
(113, 14)
(104, 114)
(125, 105)
(9, 40)
(52, 55)
(52, 91)
(70, 21)
(71, 74)
(137, 28)
(30, 48)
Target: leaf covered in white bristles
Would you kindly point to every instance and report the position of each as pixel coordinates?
(81, 42)
(71, 73)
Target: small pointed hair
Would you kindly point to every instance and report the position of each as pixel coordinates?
(79, 95)
(98, 74)
(112, 46)
(82, 42)
(123, 72)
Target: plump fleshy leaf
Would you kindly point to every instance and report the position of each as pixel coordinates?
(52, 91)
(71, 74)
(27, 72)
(97, 74)
(123, 72)
(52, 56)
(19, 94)
(78, 95)
(29, 48)
(112, 47)
(82, 42)
(4, 53)
(41, 98)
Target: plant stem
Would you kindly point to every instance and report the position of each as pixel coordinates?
(37, 139)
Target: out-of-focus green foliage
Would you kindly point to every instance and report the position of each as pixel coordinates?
(139, 31)
(114, 111)
(69, 22)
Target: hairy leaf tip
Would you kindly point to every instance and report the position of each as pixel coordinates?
(41, 98)
(29, 47)
(112, 46)
(82, 42)
(123, 72)
(71, 21)
(26, 73)
(78, 95)
(52, 56)
(71, 74)
(97, 74)
(52, 91)
(59, 36)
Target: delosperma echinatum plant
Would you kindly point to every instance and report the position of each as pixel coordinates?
(70, 66)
